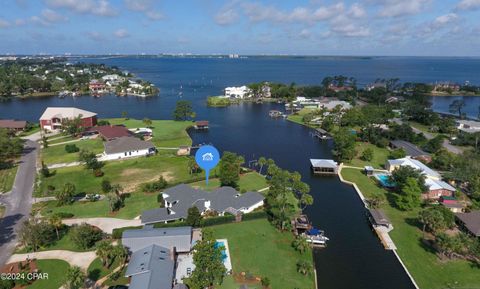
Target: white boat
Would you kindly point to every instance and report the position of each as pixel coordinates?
(316, 237)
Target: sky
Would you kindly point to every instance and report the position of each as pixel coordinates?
(302, 27)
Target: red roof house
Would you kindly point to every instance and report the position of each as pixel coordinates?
(110, 132)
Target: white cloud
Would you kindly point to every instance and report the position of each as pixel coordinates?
(144, 6)
(327, 12)
(468, 5)
(96, 7)
(305, 34)
(20, 22)
(226, 17)
(357, 11)
(397, 8)
(4, 23)
(345, 26)
(121, 33)
(52, 16)
(443, 20)
(95, 36)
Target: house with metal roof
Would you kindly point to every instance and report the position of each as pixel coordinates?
(324, 166)
(180, 198)
(378, 218)
(411, 150)
(152, 267)
(127, 147)
(53, 117)
(391, 165)
(468, 126)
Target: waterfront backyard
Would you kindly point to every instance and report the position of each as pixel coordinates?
(260, 249)
(423, 263)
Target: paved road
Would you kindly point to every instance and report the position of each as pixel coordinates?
(18, 202)
(446, 144)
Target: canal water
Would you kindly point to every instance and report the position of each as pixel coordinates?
(354, 258)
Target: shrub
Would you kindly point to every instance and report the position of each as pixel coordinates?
(367, 155)
(217, 221)
(156, 186)
(160, 200)
(85, 236)
(98, 173)
(255, 215)
(106, 186)
(63, 215)
(71, 148)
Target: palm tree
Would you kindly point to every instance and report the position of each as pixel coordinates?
(104, 252)
(147, 122)
(306, 200)
(121, 254)
(262, 162)
(300, 244)
(75, 278)
(56, 222)
(304, 267)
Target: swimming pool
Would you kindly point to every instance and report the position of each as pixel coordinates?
(225, 253)
(384, 180)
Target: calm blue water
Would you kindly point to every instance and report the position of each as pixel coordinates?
(197, 78)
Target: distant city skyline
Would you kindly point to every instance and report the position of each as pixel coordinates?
(314, 27)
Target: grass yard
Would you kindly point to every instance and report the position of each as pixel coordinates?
(56, 269)
(97, 271)
(34, 129)
(427, 269)
(422, 127)
(7, 178)
(57, 154)
(136, 203)
(166, 133)
(252, 181)
(129, 173)
(298, 116)
(380, 156)
(256, 246)
(2, 211)
(134, 206)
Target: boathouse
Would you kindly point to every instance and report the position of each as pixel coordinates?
(321, 133)
(378, 218)
(324, 166)
(201, 124)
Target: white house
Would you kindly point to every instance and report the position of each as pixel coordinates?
(468, 126)
(238, 92)
(126, 147)
(418, 165)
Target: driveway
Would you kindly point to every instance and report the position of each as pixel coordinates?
(105, 224)
(18, 202)
(446, 144)
(80, 259)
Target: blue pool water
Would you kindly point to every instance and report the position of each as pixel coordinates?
(385, 180)
(224, 252)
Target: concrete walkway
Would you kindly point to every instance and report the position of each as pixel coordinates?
(64, 165)
(105, 224)
(80, 259)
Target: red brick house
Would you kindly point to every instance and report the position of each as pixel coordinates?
(53, 117)
(438, 189)
(96, 86)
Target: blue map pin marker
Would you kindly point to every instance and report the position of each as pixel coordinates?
(207, 157)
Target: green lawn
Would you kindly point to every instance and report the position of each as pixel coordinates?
(380, 156)
(61, 138)
(7, 178)
(134, 206)
(298, 116)
(428, 271)
(56, 269)
(136, 203)
(129, 173)
(252, 181)
(2, 211)
(256, 246)
(57, 154)
(34, 129)
(166, 133)
(97, 271)
(422, 127)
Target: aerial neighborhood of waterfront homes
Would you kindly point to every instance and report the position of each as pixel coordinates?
(147, 194)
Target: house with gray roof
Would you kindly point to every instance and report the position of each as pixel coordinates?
(127, 147)
(151, 267)
(324, 166)
(178, 239)
(470, 221)
(180, 198)
(411, 150)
